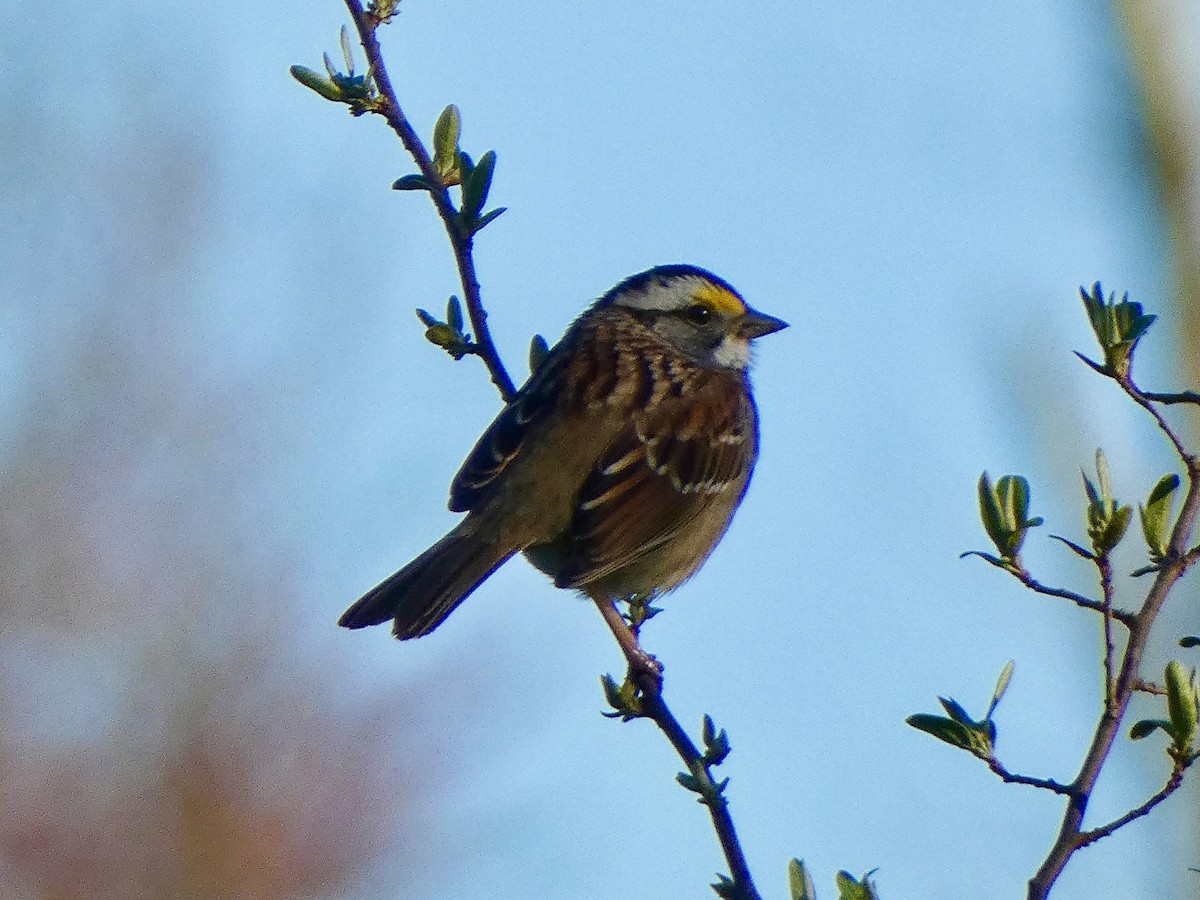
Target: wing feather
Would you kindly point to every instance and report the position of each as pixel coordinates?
(660, 474)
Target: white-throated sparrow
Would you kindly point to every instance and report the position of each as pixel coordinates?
(615, 469)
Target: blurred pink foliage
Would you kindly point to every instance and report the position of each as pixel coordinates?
(166, 729)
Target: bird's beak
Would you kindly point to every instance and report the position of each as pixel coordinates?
(754, 324)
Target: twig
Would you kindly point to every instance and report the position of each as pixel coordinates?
(1071, 837)
(1047, 784)
(1143, 400)
(1172, 785)
(1149, 687)
(1023, 575)
(388, 107)
(1104, 564)
(653, 706)
(655, 709)
(1180, 397)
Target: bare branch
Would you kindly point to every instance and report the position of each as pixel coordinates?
(1047, 784)
(460, 242)
(655, 709)
(1172, 785)
(1143, 400)
(1023, 575)
(1104, 564)
(1168, 398)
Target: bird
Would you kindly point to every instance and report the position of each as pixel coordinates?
(615, 469)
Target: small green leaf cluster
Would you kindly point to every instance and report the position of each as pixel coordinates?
(1156, 522)
(356, 91)
(625, 698)
(716, 743)
(699, 781)
(455, 167)
(801, 887)
(959, 729)
(1118, 327)
(639, 610)
(1004, 509)
(1107, 520)
(382, 11)
(710, 791)
(1183, 713)
(448, 335)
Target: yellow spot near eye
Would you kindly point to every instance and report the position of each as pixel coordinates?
(720, 300)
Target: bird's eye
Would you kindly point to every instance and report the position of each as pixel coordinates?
(698, 313)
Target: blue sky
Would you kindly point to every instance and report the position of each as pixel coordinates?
(919, 190)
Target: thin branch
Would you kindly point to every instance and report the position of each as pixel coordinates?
(1149, 687)
(388, 107)
(1104, 564)
(653, 706)
(655, 709)
(1090, 837)
(1023, 575)
(1128, 680)
(1143, 400)
(1168, 398)
(1047, 784)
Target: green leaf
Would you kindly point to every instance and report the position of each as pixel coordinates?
(538, 351)
(410, 183)
(1004, 510)
(948, 730)
(800, 883)
(716, 743)
(347, 54)
(1107, 520)
(1181, 704)
(1147, 727)
(1117, 326)
(1012, 491)
(446, 134)
(1189, 641)
(446, 155)
(1114, 530)
(1094, 497)
(465, 164)
(441, 335)
(1156, 515)
(1102, 473)
(726, 888)
(476, 186)
(1086, 554)
(957, 713)
(427, 320)
(316, 82)
(488, 217)
(454, 314)
(989, 513)
(625, 699)
(1001, 687)
(996, 561)
(850, 888)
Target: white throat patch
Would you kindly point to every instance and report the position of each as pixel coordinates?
(732, 353)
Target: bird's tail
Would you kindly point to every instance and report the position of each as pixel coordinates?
(423, 593)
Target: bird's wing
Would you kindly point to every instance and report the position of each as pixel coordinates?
(502, 442)
(660, 473)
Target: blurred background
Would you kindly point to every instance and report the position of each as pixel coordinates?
(219, 425)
